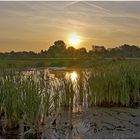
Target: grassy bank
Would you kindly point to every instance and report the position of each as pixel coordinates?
(26, 63)
(84, 62)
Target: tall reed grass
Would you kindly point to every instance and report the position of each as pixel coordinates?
(24, 97)
(115, 84)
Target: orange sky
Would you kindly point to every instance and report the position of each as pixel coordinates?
(36, 25)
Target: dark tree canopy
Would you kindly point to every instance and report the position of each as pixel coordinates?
(59, 49)
(60, 44)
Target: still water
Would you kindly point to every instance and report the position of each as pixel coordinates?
(58, 80)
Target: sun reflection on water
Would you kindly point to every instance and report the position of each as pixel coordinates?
(72, 76)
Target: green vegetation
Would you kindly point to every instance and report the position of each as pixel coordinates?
(37, 63)
(60, 50)
(30, 63)
(116, 83)
(21, 98)
(29, 97)
(60, 55)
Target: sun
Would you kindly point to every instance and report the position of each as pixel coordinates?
(74, 40)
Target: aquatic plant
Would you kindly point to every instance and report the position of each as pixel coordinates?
(115, 84)
(24, 96)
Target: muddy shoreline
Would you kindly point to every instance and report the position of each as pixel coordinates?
(97, 122)
(118, 123)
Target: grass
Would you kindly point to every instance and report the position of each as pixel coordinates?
(115, 84)
(27, 63)
(27, 99)
(66, 99)
(24, 94)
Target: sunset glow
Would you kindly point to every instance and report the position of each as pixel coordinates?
(74, 40)
(79, 24)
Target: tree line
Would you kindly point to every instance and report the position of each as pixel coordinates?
(59, 50)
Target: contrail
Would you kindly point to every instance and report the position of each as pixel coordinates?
(71, 3)
(99, 7)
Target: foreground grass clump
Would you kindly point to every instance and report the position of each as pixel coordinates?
(115, 84)
(24, 101)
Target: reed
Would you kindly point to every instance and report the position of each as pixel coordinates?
(10, 97)
(115, 84)
(67, 94)
(24, 95)
(26, 99)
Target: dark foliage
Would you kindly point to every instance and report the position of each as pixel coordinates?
(59, 50)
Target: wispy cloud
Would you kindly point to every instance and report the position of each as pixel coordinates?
(46, 20)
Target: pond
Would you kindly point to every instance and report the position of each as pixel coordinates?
(58, 78)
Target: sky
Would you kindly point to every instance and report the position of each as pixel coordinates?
(33, 26)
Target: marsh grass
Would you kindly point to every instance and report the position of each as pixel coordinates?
(115, 84)
(67, 94)
(10, 91)
(27, 99)
(24, 96)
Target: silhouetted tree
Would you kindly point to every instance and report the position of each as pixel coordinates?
(71, 52)
(125, 51)
(58, 49)
(81, 52)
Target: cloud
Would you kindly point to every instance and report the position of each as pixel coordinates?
(46, 20)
